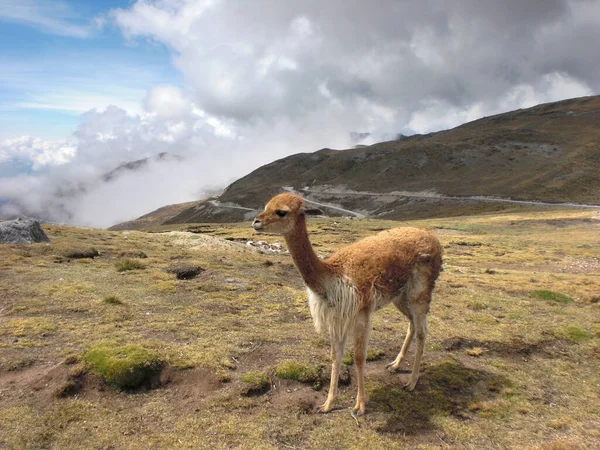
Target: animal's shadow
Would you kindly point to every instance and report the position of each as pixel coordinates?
(445, 388)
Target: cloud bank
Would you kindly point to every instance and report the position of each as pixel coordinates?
(266, 79)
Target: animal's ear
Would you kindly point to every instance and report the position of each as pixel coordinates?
(313, 212)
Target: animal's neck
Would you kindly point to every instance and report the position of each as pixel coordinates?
(312, 269)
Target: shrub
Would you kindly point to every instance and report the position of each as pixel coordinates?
(127, 366)
(550, 296)
(477, 306)
(129, 264)
(79, 253)
(185, 271)
(112, 300)
(133, 254)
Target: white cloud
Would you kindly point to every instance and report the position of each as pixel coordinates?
(37, 152)
(81, 102)
(263, 60)
(54, 17)
(435, 115)
(167, 101)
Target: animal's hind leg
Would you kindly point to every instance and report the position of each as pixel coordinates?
(395, 364)
(418, 292)
(420, 326)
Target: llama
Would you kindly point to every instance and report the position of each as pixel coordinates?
(398, 266)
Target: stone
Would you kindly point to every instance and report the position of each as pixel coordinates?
(22, 231)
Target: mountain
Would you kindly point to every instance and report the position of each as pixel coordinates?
(548, 153)
(132, 166)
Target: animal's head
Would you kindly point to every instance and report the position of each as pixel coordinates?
(282, 213)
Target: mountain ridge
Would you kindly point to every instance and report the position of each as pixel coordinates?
(548, 153)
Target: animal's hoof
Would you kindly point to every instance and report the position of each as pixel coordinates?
(392, 367)
(410, 386)
(358, 411)
(324, 408)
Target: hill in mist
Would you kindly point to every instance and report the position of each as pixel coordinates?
(56, 204)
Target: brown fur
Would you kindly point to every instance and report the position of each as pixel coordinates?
(385, 261)
(398, 265)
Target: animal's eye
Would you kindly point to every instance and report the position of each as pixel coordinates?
(281, 213)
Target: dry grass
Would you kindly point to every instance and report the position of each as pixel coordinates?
(505, 366)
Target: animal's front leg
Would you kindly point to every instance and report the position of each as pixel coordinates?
(337, 351)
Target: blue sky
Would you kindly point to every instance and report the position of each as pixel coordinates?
(59, 59)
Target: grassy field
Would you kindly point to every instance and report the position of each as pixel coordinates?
(110, 349)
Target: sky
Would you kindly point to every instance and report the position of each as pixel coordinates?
(230, 86)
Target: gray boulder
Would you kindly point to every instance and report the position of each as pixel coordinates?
(22, 231)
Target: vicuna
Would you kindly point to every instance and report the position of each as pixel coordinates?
(398, 266)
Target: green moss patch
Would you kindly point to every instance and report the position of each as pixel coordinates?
(573, 333)
(348, 358)
(256, 382)
(127, 366)
(292, 370)
(372, 355)
(550, 296)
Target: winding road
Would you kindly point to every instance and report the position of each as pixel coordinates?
(433, 195)
(441, 197)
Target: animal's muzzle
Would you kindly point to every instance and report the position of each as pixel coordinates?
(257, 224)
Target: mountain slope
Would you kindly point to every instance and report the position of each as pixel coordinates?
(549, 152)
(155, 218)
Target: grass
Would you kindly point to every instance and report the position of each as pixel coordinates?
(501, 369)
(123, 366)
(126, 264)
(132, 254)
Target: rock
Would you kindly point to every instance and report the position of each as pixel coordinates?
(265, 247)
(22, 231)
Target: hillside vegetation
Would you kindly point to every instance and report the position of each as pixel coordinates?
(111, 349)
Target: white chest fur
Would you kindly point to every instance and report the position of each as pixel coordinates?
(336, 310)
